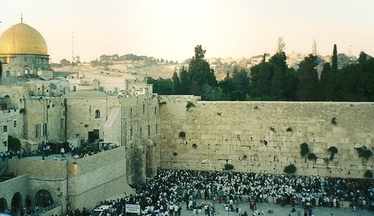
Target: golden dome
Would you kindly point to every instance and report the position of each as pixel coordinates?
(22, 39)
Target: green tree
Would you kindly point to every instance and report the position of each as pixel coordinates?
(200, 72)
(185, 81)
(176, 83)
(307, 89)
(290, 169)
(162, 86)
(279, 76)
(334, 59)
(239, 85)
(326, 83)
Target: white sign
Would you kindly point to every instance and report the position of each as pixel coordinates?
(131, 208)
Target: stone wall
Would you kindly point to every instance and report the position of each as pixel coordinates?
(87, 180)
(12, 186)
(40, 111)
(97, 178)
(82, 118)
(265, 136)
(140, 134)
(11, 124)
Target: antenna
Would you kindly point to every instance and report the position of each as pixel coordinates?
(21, 17)
(72, 53)
(315, 49)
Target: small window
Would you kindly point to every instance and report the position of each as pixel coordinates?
(156, 129)
(141, 132)
(37, 130)
(130, 133)
(130, 111)
(149, 130)
(14, 123)
(155, 110)
(5, 128)
(143, 108)
(97, 114)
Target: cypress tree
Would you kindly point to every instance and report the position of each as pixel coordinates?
(334, 61)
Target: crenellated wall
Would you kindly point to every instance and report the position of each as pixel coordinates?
(265, 136)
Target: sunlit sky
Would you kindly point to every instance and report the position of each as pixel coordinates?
(171, 28)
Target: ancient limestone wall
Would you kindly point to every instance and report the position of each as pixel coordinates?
(265, 136)
(98, 177)
(81, 114)
(87, 180)
(50, 175)
(40, 111)
(12, 186)
(140, 133)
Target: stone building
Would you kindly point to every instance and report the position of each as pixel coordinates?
(140, 133)
(23, 51)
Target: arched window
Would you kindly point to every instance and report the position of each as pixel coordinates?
(43, 199)
(97, 114)
(3, 205)
(16, 203)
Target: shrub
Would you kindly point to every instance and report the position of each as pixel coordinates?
(333, 121)
(289, 129)
(175, 153)
(290, 169)
(368, 174)
(194, 146)
(189, 105)
(228, 167)
(14, 144)
(364, 152)
(312, 157)
(182, 135)
(304, 149)
(333, 151)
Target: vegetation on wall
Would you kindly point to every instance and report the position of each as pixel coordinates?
(312, 157)
(228, 167)
(189, 105)
(14, 144)
(290, 169)
(333, 121)
(368, 174)
(182, 135)
(333, 151)
(273, 79)
(364, 152)
(304, 149)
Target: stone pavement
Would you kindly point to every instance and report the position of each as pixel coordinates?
(283, 211)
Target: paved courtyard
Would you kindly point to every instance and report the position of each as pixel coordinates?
(283, 211)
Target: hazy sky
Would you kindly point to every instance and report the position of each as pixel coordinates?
(171, 28)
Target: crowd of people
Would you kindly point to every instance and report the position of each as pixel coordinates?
(198, 191)
(46, 150)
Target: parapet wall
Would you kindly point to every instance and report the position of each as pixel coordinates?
(98, 177)
(265, 136)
